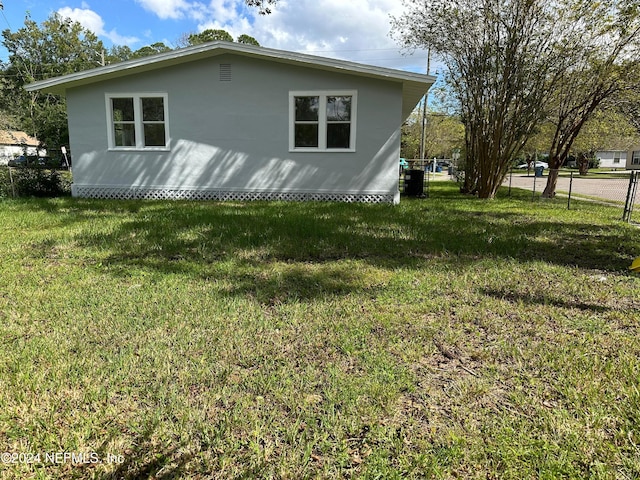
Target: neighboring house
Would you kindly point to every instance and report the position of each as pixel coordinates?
(612, 158)
(633, 158)
(14, 143)
(233, 121)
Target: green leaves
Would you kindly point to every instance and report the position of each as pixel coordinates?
(57, 47)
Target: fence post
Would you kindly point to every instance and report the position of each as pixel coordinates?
(631, 196)
(570, 188)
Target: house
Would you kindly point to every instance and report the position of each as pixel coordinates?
(14, 143)
(633, 158)
(232, 121)
(612, 158)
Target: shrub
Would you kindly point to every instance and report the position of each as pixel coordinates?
(34, 182)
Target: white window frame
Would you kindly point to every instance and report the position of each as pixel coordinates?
(617, 156)
(635, 158)
(322, 119)
(138, 122)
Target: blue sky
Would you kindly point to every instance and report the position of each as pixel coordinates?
(356, 30)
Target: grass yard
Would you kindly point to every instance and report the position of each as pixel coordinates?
(441, 338)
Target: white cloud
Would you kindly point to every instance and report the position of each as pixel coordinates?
(93, 22)
(356, 30)
(85, 17)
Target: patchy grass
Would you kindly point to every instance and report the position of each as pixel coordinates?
(447, 337)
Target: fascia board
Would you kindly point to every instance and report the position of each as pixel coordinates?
(59, 85)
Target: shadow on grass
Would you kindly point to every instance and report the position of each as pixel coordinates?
(543, 299)
(146, 460)
(239, 241)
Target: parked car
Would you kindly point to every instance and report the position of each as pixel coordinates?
(49, 162)
(524, 166)
(23, 161)
(35, 161)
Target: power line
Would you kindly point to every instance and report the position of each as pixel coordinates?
(4, 16)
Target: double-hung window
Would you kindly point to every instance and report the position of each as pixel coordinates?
(616, 157)
(635, 158)
(322, 121)
(137, 121)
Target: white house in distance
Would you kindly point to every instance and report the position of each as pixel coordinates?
(232, 121)
(14, 143)
(612, 158)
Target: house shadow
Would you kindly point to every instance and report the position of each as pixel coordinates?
(145, 460)
(316, 243)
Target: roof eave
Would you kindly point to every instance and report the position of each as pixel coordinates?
(59, 85)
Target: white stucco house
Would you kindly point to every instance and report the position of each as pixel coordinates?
(232, 121)
(14, 143)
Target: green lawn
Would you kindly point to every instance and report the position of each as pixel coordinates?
(449, 338)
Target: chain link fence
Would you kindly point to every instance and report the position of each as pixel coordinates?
(617, 192)
(592, 191)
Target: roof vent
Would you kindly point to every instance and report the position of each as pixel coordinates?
(225, 72)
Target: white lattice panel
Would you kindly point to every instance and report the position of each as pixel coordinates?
(173, 194)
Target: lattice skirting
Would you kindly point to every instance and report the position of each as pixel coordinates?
(127, 193)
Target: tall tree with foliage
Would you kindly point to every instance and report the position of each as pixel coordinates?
(499, 60)
(442, 135)
(152, 49)
(210, 35)
(248, 40)
(36, 52)
(602, 42)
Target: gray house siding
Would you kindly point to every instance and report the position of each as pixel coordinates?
(230, 139)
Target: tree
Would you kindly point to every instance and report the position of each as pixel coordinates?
(118, 53)
(499, 61)
(36, 52)
(210, 35)
(261, 5)
(443, 134)
(605, 130)
(602, 42)
(152, 49)
(248, 40)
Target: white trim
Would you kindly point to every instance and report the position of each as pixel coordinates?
(139, 124)
(322, 119)
(58, 85)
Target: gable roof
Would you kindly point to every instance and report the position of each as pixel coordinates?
(16, 137)
(414, 85)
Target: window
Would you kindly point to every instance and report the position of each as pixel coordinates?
(616, 157)
(137, 122)
(635, 159)
(321, 121)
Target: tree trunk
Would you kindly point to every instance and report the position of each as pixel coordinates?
(552, 182)
(583, 164)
